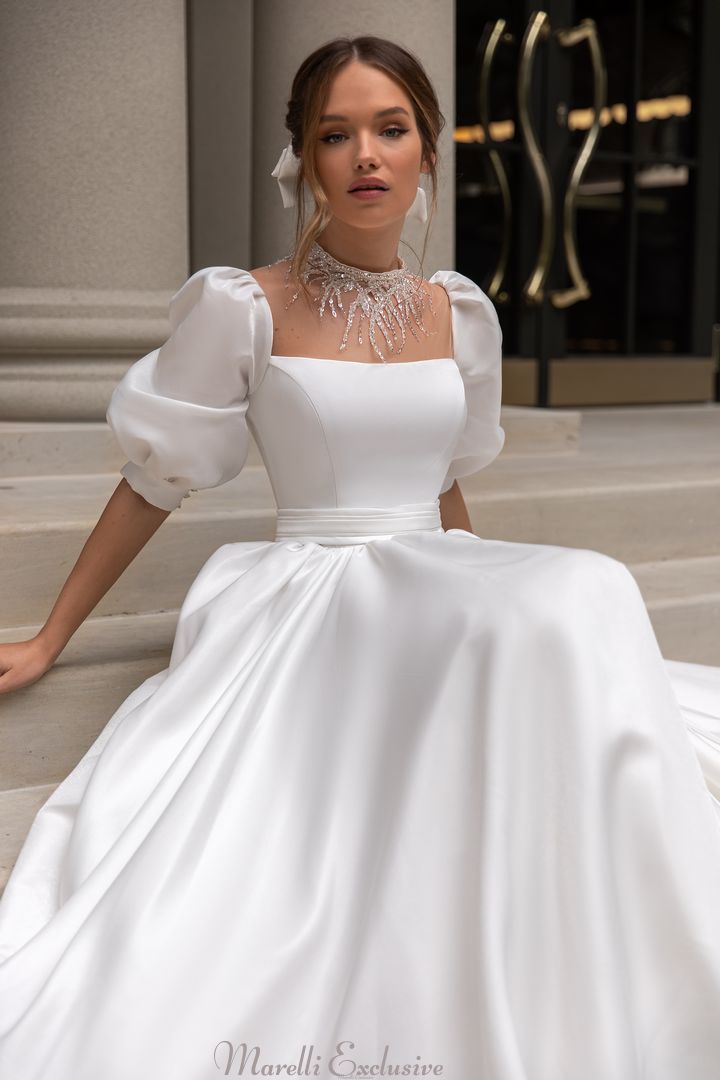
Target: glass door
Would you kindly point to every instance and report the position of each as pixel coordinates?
(588, 193)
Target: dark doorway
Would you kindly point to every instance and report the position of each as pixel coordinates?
(588, 191)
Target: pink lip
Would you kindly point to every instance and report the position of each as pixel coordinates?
(364, 193)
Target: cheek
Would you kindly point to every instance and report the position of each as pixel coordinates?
(410, 159)
(410, 171)
(330, 171)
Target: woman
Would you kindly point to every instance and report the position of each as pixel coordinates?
(406, 801)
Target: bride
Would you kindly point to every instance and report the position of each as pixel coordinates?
(406, 800)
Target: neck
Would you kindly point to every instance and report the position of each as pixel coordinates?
(374, 250)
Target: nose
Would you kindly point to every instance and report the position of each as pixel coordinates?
(366, 157)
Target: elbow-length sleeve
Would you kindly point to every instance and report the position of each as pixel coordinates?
(477, 342)
(178, 413)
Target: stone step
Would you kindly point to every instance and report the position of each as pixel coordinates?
(47, 520)
(680, 432)
(644, 484)
(47, 727)
(34, 448)
(69, 448)
(539, 431)
(643, 513)
(49, 448)
(683, 599)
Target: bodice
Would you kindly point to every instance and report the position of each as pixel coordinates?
(332, 433)
(344, 433)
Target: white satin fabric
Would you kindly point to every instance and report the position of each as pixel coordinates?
(405, 796)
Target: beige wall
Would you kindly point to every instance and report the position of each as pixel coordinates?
(94, 178)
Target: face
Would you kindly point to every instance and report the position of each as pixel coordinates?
(366, 146)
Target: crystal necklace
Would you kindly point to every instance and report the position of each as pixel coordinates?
(389, 301)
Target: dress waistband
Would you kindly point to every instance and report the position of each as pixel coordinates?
(353, 524)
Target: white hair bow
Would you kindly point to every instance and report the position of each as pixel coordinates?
(285, 173)
(288, 166)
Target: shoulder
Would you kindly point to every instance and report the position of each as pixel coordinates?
(440, 296)
(225, 293)
(272, 278)
(231, 281)
(223, 309)
(459, 286)
(470, 303)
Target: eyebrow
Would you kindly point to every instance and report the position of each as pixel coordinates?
(383, 112)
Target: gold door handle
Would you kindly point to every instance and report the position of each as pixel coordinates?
(537, 29)
(496, 34)
(580, 290)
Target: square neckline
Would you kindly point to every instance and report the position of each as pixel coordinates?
(356, 363)
(364, 363)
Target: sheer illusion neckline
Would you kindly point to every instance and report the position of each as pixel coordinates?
(355, 363)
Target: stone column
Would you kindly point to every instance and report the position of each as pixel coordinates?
(94, 192)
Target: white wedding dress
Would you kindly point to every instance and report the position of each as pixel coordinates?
(402, 797)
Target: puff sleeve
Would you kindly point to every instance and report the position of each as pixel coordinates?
(178, 413)
(477, 341)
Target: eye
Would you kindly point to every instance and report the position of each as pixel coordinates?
(338, 135)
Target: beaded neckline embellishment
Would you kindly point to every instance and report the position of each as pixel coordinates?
(392, 302)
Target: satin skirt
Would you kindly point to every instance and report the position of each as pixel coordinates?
(402, 798)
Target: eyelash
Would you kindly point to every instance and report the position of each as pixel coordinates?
(332, 135)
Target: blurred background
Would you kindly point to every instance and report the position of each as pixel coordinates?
(588, 179)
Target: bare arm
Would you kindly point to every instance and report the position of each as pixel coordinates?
(124, 527)
(453, 511)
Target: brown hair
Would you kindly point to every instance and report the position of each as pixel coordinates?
(308, 96)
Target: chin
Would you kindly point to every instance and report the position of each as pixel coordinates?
(373, 219)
